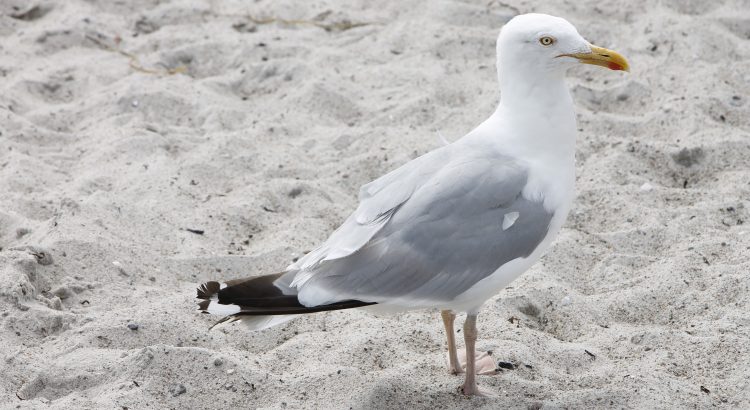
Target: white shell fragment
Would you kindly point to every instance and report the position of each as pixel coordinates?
(510, 219)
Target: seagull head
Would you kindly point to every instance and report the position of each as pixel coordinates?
(539, 44)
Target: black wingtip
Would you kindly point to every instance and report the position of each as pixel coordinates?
(203, 305)
(208, 289)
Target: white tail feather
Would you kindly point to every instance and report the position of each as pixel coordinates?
(215, 308)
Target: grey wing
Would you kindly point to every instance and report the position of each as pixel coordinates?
(378, 201)
(456, 228)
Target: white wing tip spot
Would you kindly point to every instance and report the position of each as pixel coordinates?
(509, 219)
(216, 309)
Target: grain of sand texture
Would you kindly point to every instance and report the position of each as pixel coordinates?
(127, 124)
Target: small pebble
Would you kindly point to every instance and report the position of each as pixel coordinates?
(243, 27)
(133, 326)
(177, 389)
(218, 361)
(230, 371)
(566, 301)
(506, 365)
(646, 187)
(55, 303)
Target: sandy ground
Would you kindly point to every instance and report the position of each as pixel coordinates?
(125, 123)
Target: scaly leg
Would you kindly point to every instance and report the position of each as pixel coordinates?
(470, 337)
(453, 364)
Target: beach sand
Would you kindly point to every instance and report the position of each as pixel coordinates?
(146, 146)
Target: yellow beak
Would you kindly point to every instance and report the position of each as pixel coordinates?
(602, 57)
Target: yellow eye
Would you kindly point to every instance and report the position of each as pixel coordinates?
(547, 41)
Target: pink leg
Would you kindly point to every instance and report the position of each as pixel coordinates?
(453, 364)
(470, 337)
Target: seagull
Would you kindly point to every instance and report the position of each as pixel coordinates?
(450, 229)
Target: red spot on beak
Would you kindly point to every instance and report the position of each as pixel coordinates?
(614, 66)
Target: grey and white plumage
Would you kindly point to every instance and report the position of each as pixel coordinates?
(451, 228)
(424, 239)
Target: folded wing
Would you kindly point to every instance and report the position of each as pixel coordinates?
(428, 234)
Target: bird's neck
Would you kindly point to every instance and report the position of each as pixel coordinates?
(543, 108)
(536, 124)
(525, 87)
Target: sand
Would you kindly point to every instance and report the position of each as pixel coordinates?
(149, 145)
